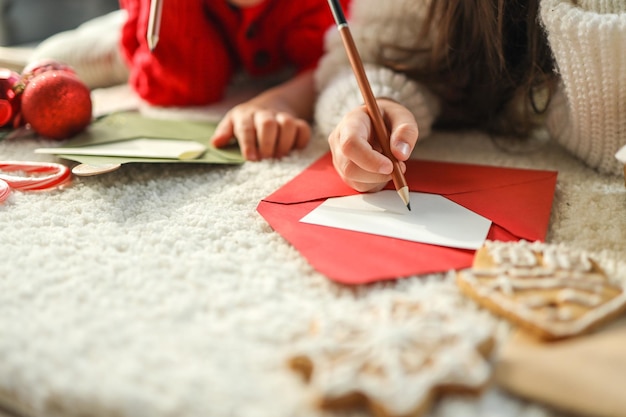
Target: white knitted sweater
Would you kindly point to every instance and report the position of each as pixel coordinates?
(587, 115)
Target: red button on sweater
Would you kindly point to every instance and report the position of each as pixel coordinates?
(202, 43)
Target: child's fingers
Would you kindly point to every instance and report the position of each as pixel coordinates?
(403, 129)
(293, 133)
(223, 132)
(267, 131)
(288, 131)
(263, 134)
(239, 124)
(354, 175)
(403, 139)
(358, 174)
(246, 136)
(360, 165)
(304, 134)
(353, 141)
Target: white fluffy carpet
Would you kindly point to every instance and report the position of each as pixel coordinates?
(158, 290)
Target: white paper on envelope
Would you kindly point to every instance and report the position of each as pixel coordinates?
(433, 219)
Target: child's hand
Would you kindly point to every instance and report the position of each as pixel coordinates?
(262, 130)
(356, 154)
(273, 123)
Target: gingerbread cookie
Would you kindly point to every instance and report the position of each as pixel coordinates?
(395, 358)
(551, 290)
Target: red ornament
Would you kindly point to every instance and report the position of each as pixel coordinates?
(43, 65)
(9, 100)
(6, 112)
(55, 102)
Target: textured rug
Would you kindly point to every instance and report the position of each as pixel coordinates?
(158, 290)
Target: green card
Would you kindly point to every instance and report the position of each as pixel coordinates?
(126, 126)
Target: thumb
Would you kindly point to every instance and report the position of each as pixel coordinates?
(403, 130)
(402, 127)
(403, 140)
(224, 132)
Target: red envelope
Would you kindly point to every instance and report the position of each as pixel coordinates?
(517, 201)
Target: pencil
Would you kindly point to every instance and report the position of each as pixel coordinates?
(380, 130)
(154, 24)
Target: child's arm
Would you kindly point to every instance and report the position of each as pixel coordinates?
(378, 28)
(586, 115)
(272, 123)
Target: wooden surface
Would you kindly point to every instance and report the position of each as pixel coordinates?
(585, 375)
(4, 413)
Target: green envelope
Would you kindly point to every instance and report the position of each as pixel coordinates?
(132, 125)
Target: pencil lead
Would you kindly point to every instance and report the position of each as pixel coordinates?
(408, 205)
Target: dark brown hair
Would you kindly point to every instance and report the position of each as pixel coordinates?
(485, 57)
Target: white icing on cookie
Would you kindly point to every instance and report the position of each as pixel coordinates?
(561, 281)
(396, 356)
(578, 297)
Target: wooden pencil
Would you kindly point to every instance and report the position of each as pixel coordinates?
(154, 23)
(380, 130)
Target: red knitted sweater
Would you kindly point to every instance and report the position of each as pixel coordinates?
(202, 43)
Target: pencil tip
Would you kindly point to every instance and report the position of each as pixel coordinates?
(152, 42)
(405, 196)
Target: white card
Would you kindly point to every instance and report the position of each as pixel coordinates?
(136, 148)
(433, 219)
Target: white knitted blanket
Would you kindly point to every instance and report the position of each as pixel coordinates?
(158, 290)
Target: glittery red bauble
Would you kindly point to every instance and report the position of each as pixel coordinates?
(9, 102)
(56, 104)
(43, 65)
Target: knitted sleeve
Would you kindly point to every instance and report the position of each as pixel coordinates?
(91, 50)
(376, 26)
(190, 66)
(588, 115)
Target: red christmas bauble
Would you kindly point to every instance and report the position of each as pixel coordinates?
(56, 104)
(9, 102)
(43, 65)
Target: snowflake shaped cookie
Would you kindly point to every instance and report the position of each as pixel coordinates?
(551, 290)
(395, 357)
